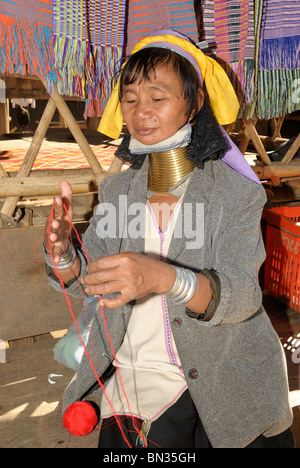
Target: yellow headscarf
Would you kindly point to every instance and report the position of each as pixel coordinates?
(221, 94)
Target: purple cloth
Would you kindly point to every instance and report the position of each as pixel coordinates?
(234, 159)
(169, 32)
(176, 48)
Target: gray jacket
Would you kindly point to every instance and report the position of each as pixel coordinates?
(233, 362)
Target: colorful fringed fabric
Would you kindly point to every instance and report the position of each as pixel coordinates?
(88, 46)
(229, 28)
(26, 37)
(146, 16)
(279, 59)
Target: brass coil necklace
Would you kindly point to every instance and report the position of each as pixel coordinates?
(168, 168)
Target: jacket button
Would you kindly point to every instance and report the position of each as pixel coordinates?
(193, 374)
(177, 322)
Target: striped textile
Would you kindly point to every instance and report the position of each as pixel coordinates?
(25, 37)
(88, 45)
(146, 16)
(107, 29)
(229, 28)
(71, 49)
(278, 59)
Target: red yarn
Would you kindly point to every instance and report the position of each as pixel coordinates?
(80, 429)
(80, 418)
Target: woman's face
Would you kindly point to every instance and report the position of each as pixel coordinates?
(154, 110)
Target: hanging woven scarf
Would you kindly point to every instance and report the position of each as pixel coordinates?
(146, 16)
(228, 26)
(26, 38)
(279, 59)
(88, 45)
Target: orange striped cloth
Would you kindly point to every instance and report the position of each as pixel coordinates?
(146, 16)
(56, 158)
(26, 37)
(229, 29)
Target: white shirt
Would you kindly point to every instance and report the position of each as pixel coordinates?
(148, 361)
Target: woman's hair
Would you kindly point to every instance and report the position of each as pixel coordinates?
(143, 62)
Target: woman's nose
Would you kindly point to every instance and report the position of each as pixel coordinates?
(143, 110)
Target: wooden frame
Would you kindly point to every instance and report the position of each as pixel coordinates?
(23, 180)
(270, 170)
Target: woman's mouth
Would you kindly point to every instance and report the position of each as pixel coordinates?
(144, 131)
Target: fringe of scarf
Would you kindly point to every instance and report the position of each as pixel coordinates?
(278, 60)
(105, 76)
(26, 48)
(277, 93)
(242, 77)
(229, 28)
(73, 65)
(88, 48)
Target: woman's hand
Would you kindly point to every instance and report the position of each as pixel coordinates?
(131, 274)
(58, 232)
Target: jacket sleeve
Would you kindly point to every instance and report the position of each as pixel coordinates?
(238, 253)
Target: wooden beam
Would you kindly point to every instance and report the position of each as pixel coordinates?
(48, 185)
(277, 171)
(26, 77)
(37, 94)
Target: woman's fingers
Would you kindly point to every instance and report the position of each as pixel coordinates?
(58, 230)
(130, 274)
(58, 210)
(66, 196)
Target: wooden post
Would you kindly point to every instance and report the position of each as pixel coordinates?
(292, 151)
(251, 133)
(276, 171)
(115, 166)
(4, 117)
(3, 172)
(244, 143)
(276, 126)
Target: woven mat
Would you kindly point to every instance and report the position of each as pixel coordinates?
(57, 158)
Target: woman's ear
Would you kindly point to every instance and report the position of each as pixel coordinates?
(200, 100)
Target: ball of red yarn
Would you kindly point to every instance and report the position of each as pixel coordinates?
(80, 418)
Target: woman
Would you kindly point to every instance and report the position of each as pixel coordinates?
(175, 248)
